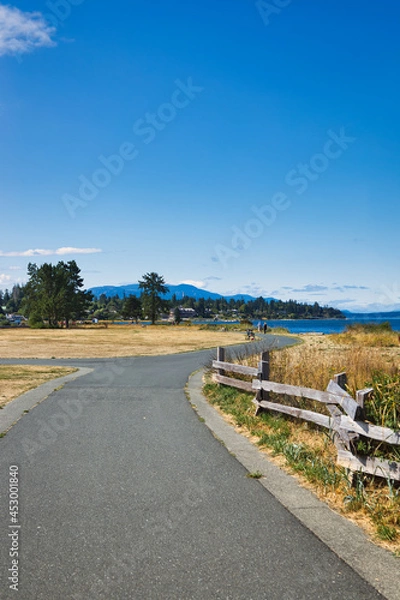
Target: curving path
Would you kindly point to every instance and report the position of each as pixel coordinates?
(125, 494)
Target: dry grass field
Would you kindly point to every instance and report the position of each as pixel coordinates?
(100, 342)
(115, 341)
(18, 379)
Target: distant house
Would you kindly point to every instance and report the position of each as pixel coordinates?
(15, 319)
(184, 313)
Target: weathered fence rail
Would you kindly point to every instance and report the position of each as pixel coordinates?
(346, 414)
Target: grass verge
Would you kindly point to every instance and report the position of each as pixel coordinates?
(18, 379)
(306, 451)
(309, 454)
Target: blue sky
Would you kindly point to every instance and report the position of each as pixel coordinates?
(242, 146)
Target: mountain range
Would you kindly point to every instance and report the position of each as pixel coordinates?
(184, 290)
(181, 291)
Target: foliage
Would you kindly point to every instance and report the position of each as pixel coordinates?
(132, 308)
(36, 321)
(53, 293)
(12, 300)
(383, 407)
(221, 308)
(368, 327)
(260, 308)
(153, 286)
(3, 321)
(177, 315)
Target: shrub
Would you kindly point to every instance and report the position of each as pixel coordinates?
(36, 321)
(368, 327)
(3, 321)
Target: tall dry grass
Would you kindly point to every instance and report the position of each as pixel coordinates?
(314, 362)
(372, 335)
(313, 367)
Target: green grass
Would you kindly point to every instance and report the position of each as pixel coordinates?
(387, 533)
(255, 475)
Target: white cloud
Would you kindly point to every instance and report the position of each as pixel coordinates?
(311, 288)
(252, 289)
(69, 250)
(57, 252)
(199, 284)
(4, 278)
(22, 32)
(14, 268)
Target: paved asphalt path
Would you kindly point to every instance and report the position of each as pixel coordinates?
(125, 494)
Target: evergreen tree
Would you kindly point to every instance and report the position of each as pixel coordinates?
(177, 315)
(153, 286)
(132, 308)
(53, 293)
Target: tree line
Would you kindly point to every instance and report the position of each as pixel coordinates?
(54, 296)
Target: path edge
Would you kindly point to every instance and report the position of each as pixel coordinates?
(15, 409)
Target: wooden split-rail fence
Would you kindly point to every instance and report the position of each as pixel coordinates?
(346, 414)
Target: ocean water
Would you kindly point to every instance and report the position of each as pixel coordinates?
(328, 325)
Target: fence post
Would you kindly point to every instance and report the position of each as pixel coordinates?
(263, 366)
(220, 358)
(263, 375)
(344, 440)
(341, 379)
(361, 396)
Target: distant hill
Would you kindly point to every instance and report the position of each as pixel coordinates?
(181, 291)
